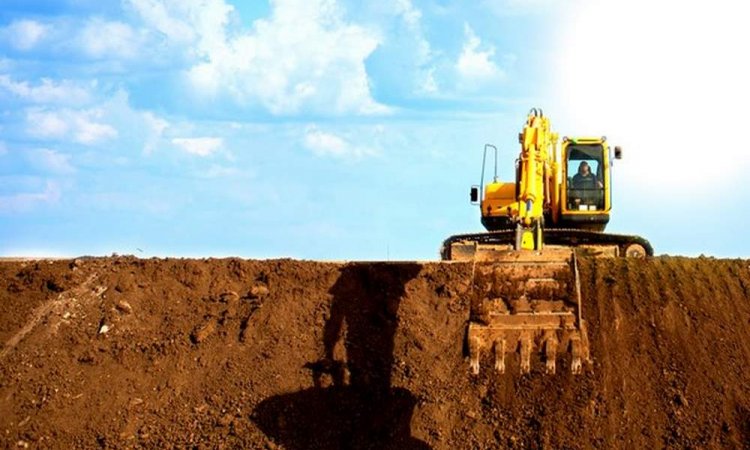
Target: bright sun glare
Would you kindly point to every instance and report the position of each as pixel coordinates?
(667, 80)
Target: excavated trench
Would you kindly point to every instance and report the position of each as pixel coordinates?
(228, 353)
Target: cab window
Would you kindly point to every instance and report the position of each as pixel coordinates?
(585, 178)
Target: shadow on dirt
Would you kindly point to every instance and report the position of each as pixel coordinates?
(353, 404)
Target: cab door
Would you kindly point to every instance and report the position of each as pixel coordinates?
(585, 199)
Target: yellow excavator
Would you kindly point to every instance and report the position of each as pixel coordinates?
(526, 295)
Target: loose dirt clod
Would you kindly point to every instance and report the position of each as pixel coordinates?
(203, 331)
(361, 355)
(229, 297)
(124, 307)
(259, 291)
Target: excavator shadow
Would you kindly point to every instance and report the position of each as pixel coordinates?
(352, 404)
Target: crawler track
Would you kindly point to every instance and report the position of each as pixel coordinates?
(552, 236)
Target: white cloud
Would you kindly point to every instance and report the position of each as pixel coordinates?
(323, 143)
(45, 124)
(475, 63)
(50, 161)
(305, 57)
(109, 39)
(88, 37)
(47, 91)
(218, 171)
(83, 127)
(155, 129)
(201, 146)
(428, 84)
(159, 14)
(668, 98)
(524, 7)
(423, 53)
(25, 201)
(87, 131)
(3, 148)
(25, 34)
(412, 16)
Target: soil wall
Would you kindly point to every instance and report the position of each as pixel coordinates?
(227, 353)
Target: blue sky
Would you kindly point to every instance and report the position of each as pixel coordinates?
(327, 129)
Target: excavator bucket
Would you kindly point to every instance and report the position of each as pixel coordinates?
(527, 303)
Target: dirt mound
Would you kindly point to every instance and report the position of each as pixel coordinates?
(227, 353)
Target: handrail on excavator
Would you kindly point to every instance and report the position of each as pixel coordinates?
(494, 177)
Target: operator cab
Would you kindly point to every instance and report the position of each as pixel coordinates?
(585, 186)
(585, 193)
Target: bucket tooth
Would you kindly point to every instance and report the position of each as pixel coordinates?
(576, 351)
(500, 355)
(576, 366)
(550, 351)
(585, 349)
(526, 345)
(475, 349)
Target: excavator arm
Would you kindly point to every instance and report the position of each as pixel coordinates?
(537, 168)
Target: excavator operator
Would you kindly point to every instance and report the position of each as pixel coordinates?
(584, 179)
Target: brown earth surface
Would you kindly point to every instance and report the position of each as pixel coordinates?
(230, 353)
